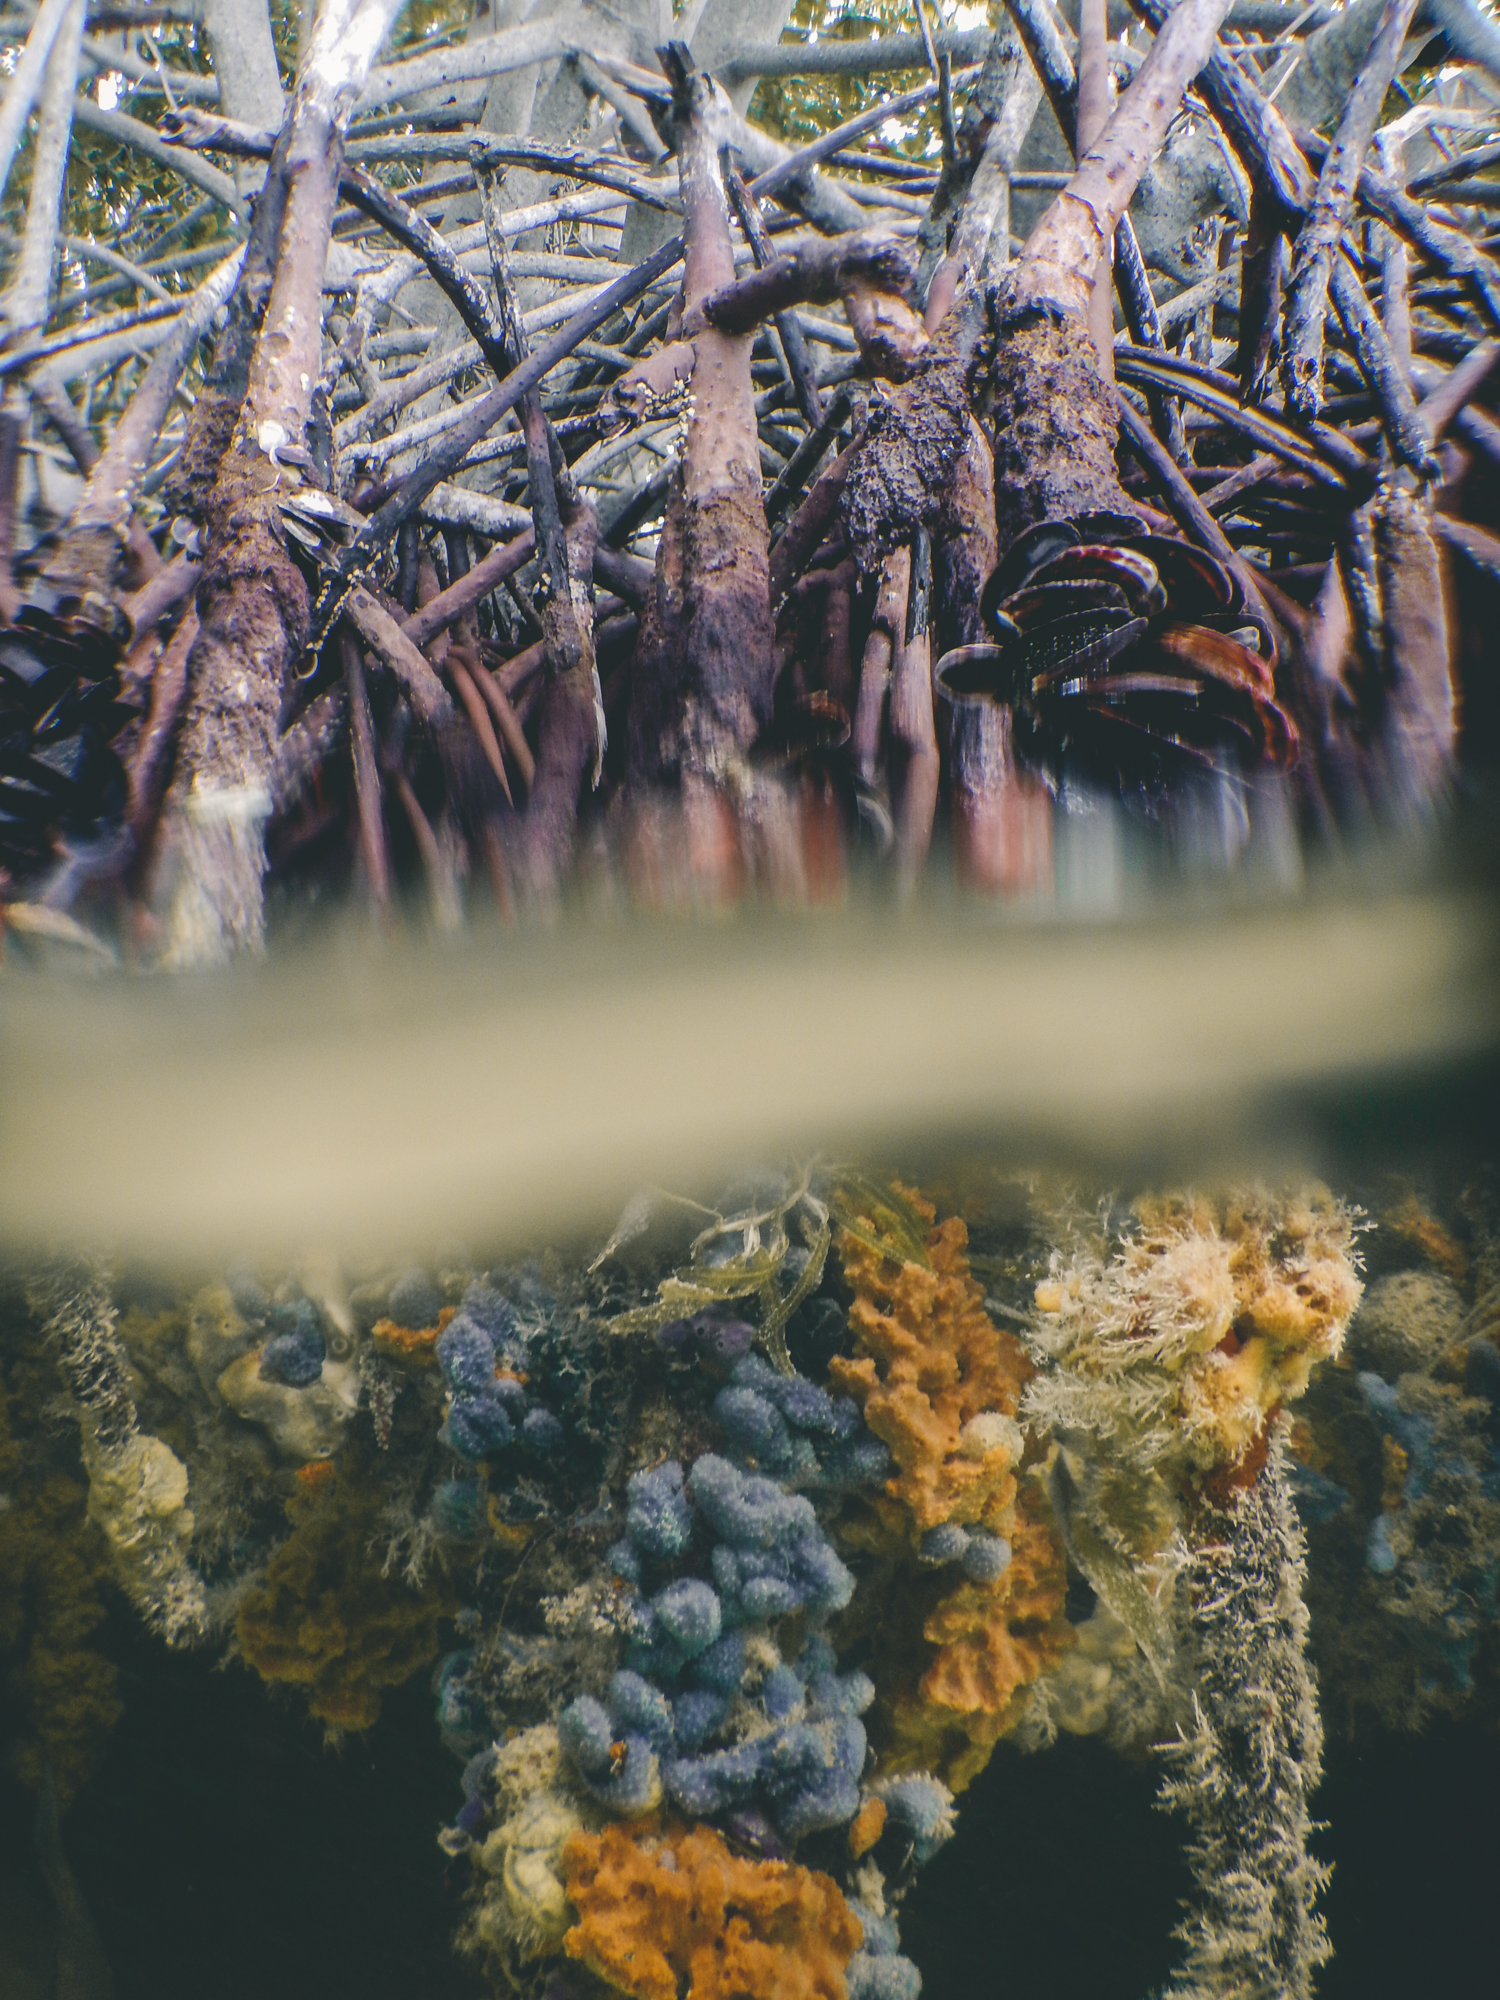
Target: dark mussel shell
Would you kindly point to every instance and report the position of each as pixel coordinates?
(1081, 644)
(1039, 603)
(72, 618)
(1030, 663)
(1115, 690)
(72, 782)
(1103, 524)
(1037, 545)
(1269, 733)
(1246, 626)
(1223, 720)
(1133, 574)
(976, 673)
(1137, 756)
(1215, 655)
(1195, 582)
(60, 708)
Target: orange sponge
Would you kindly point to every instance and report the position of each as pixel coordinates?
(939, 1383)
(932, 1363)
(676, 1915)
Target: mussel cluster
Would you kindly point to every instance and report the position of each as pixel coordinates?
(1123, 654)
(60, 713)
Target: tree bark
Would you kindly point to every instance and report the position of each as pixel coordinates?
(704, 716)
(1093, 115)
(253, 600)
(244, 56)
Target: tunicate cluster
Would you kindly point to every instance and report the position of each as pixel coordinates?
(462, 1718)
(482, 1354)
(457, 1509)
(295, 1351)
(414, 1299)
(797, 1775)
(1414, 1433)
(923, 1807)
(1437, 1544)
(877, 1971)
(984, 1558)
(687, 1659)
(786, 1425)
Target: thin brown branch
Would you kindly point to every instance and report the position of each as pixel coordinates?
(1005, 100)
(479, 719)
(630, 577)
(416, 234)
(1447, 398)
(25, 79)
(1093, 115)
(485, 412)
(487, 154)
(386, 639)
(11, 425)
(163, 592)
(802, 535)
(23, 308)
(127, 131)
(1192, 515)
(785, 175)
(941, 69)
(372, 846)
(506, 720)
(868, 270)
(788, 326)
(447, 909)
(912, 730)
(1409, 440)
(477, 583)
(151, 764)
(887, 629)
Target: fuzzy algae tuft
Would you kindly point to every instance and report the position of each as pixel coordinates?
(1205, 1320)
(57, 1690)
(326, 1619)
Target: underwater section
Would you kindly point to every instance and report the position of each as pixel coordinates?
(768, 1600)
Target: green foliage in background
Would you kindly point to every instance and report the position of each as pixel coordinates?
(797, 109)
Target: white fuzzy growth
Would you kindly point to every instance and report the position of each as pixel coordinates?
(1243, 1775)
(1131, 1410)
(1162, 1303)
(138, 1487)
(1111, 1337)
